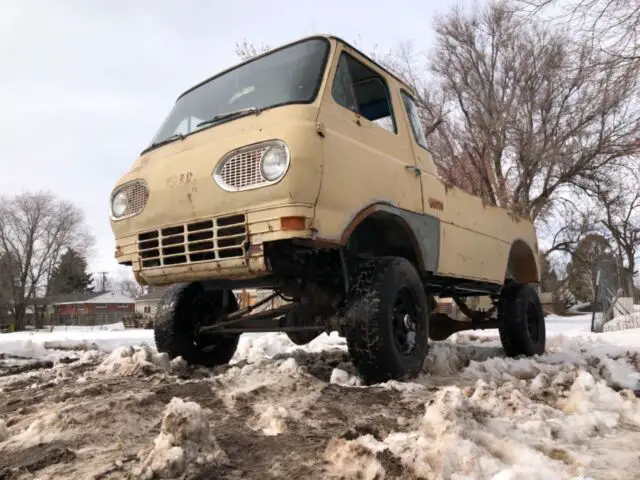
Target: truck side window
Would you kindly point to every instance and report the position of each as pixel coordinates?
(343, 87)
(361, 90)
(416, 125)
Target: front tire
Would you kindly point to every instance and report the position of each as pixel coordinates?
(387, 321)
(181, 311)
(523, 330)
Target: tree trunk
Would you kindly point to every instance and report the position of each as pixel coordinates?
(630, 284)
(19, 316)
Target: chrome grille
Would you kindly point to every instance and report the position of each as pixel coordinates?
(217, 239)
(242, 170)
(137, 196)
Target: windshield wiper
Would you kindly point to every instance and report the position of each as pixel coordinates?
(234, 113)
(172, 138)
(175, 136)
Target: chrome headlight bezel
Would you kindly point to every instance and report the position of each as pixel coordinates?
(260, 148)
(119, 203)
(133, 206)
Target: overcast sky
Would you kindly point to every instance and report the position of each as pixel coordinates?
(85, 84)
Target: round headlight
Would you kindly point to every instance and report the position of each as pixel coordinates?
(119, 204)
(274, 162)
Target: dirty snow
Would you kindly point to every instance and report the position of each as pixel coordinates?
(623, 322)
(104, 404)
(51, 345)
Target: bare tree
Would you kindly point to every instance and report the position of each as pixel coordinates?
(619, 204)
(529, 110)
(121, 281)
(246, 50)
(124, 283)
(35, 229)
(571, 222)
(613, 26)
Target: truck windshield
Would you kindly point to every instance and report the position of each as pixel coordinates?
(285, 76)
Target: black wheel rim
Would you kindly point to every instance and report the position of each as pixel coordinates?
(532, 322)
(405, 315)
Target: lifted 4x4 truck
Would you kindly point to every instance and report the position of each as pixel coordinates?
(305, 172)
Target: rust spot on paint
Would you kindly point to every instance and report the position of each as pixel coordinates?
(436, 204)
(181, 179)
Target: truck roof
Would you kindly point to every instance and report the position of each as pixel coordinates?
(325, 36)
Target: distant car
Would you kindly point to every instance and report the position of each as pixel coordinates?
(304, 171)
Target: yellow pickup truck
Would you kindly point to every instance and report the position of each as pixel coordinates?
(305, 171)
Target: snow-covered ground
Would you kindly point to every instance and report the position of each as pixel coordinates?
(104, 404)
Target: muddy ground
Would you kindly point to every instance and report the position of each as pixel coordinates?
(99, 416)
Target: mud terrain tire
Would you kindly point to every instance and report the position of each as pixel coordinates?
(180, 312)
(523, 330)
(386, 290)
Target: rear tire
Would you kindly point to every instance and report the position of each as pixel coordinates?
(387, 321)
(181, 311)
(523, 330)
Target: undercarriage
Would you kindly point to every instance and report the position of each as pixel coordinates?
(383, 306)
(260, 317)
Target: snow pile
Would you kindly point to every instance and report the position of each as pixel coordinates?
(258, 347)
(354, 458)
(564, 356)
(623, 322)
(289, 365)
(43, 429)
(450, 357)
(184, 440)
(598, 407)
(47, 345)
(272, 421)
(128, 361)
(500, 429)
(341, 377)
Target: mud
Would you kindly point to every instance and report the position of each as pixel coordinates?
(277, 417)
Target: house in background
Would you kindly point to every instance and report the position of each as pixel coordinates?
(147, 304)
(90, 308)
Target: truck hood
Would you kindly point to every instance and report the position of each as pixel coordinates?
(179, 174)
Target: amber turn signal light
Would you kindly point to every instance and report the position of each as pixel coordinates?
(292, 223)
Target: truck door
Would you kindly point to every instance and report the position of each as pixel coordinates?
(366, 156)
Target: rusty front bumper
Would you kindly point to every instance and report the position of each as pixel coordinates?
(228, 246)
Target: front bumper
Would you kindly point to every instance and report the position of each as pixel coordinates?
(222, 247)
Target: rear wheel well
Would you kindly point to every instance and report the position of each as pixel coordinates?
(384, 234)
(522, 266)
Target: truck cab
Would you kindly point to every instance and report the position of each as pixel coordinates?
(305, 171)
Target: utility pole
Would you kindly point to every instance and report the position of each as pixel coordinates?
(104, 281)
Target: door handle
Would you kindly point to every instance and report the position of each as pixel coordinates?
(414, 168)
